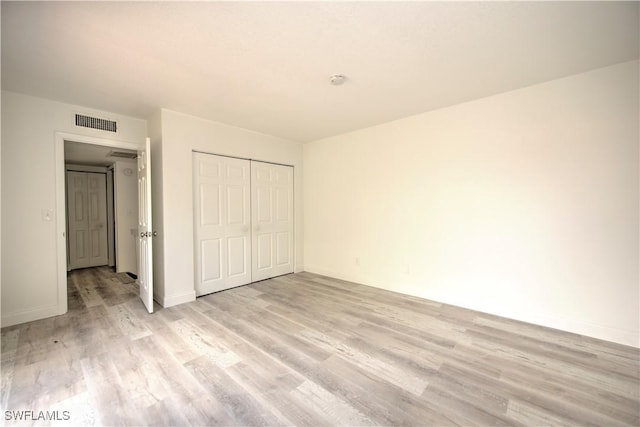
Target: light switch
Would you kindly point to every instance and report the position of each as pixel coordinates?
(47, 214)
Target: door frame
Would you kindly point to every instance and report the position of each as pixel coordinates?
(61, 212)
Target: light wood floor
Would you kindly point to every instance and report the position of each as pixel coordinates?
(307, 350)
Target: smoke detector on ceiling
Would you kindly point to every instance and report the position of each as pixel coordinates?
(337, 79)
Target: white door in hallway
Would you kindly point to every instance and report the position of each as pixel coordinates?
(272, 220)
(222, 221)
(145, 228)
(87, 219)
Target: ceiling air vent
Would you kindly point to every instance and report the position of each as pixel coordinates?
(95, 123)
(123, 154)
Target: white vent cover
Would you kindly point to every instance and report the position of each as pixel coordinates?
(123, 154)
(95, 123)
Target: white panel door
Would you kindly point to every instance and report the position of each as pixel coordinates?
(78, 221)
(221, 222)
(145, 228)
(87, 219)
(272, 220)
(97, 213)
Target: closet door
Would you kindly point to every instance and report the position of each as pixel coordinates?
(87, 219)
(272, 220)
(222, 222)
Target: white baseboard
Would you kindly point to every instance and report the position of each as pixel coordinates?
(549, 320)
(171, 300)
(10, 319)
(335, 275)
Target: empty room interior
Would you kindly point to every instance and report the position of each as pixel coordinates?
(320, 213)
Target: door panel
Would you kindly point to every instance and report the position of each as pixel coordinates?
(282, 204)
(145, 228)
(272, 220)
(263, 252)
(210, 204)
(95, 244)
(262, 202)
(236, 208)
(237, 172)
(93, 207)
(97, 194)
(78, 222)
(222, 213)
(80, 206)
(80, 254)
(283, 250)
(211, 256)
(237, 250)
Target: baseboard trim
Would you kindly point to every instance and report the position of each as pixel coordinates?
(548, 320)
(31, 315)
(171, 300)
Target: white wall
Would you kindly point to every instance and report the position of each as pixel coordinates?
(523, 204)
(126, 214)
(181, 134)
(29, 127)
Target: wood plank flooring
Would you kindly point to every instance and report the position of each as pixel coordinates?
(306, 350)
